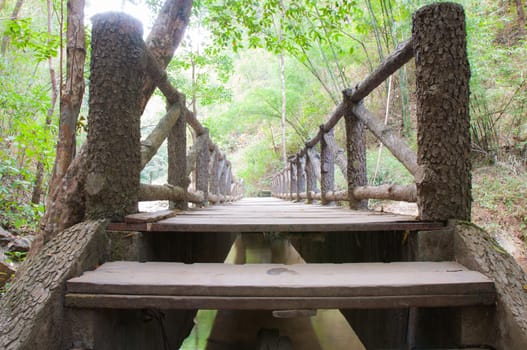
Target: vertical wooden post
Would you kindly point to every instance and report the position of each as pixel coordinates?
(292, 176)
(117, 73)
(311, 177)
(202, 168)
(300, 176)
(327, 167)
(288, 182)
(443, 122)
(228, 178)
(177, 159)
(221, 174)
(285, 183)
(314, 160)
(356, 152)
(213, 171)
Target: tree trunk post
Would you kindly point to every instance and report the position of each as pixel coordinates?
(287, 181)
(227, 178)
(221, 174)
(284, 183)
(300, 176)
(213, 171)
(292, 177)
(443, 122)
(116, 79)
(202, 169)
(327, 167)
(356, 152)
(311, 176)
(177, 159)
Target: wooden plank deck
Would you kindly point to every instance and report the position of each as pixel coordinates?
(274, 287)
(275, 215)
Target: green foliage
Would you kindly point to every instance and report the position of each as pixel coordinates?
(26, 139)
(15, 257)
(258, 160)
(391, 171)
(23, 37)
(16, 213)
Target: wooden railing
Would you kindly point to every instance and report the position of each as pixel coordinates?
(214, 181)
(441, 167)
(115, 155)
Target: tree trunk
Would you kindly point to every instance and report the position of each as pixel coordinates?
(300, 176)
(327, 167)
(32, 311)
(201, 143)
(177, 161)
(37, 188)
(14, 15)
(293, 185)
(66, 206)
(312, 168)
(214, 172)
(521, 15)
(443, 123)
(202, 167)
(165, 37)
(73, 91)
(114, 159)
(356, 151)
(283, 86)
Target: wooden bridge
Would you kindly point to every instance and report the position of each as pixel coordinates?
(394, 277)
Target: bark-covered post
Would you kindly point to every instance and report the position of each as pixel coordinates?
(327, 167)
(285, 187)
(292, 177)
(228, 178)
(202, 168)
(356, 152)
(311, 177)
(177, 159)
(213, 171)
(443, 122)
(222, 161)
(117, 73)
(287, 173)
(300, 176)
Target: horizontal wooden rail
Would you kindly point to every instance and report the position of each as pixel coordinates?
(391, 64)
(406, 193)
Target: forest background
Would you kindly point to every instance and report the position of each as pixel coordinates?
(262, 76)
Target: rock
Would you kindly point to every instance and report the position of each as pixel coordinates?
(5, 237)
(21, 244)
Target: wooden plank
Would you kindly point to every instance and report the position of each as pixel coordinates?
(240, 227)
(145, 217)
(124, 301)
(275, 215)
(275, 280)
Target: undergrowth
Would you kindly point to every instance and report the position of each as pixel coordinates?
(500, 200)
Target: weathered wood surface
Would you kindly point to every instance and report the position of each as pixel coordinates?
(32, 310)
(275, 215)
(442, 108)
(144, 217)
(276, 286)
